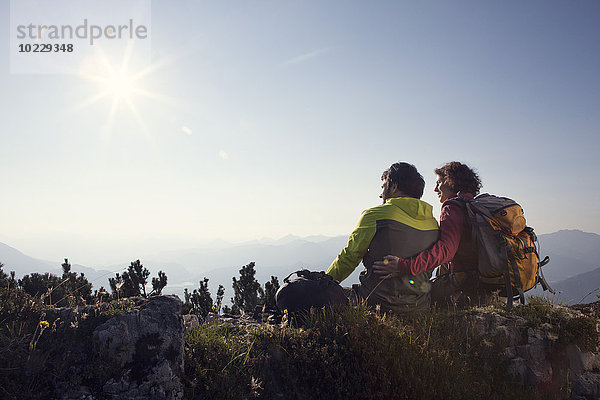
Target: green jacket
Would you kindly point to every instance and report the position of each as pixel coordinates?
(403, 226)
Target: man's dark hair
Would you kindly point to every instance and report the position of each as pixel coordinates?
(406, 177)
(460, 178)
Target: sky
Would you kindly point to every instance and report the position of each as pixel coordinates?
(250, 119)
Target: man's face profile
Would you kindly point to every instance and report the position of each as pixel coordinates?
(387, 189)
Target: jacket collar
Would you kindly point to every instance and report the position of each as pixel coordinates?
(416, 208)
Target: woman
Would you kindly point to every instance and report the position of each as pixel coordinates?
(457, 281)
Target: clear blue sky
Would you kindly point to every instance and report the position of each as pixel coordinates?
(274, 117)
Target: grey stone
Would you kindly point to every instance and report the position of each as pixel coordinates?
(211, 317)
(591, 361)
(574, 355)
(510, 352)
(517, 368)
(533, 356)
(149, 343)
(82, 393)
(487, 323)
(191, 322)
(587, 385)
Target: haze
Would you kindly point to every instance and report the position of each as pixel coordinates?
(266, 118)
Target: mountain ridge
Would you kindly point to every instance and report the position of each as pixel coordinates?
(572, 253)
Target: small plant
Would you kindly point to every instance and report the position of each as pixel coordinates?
(271, 287)
(247, 290)
(199, 301)
(38, 332)
(132, 283)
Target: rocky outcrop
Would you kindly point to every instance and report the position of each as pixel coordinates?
(142, 349)
(147, 344)
(552, 349)
(541, 356)
(191, 322)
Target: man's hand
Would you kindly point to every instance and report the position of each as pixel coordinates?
(388, 266)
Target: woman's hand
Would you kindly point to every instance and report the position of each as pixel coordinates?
(388, 266)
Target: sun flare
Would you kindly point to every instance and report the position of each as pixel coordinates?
(119, 83)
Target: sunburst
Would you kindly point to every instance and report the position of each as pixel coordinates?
(119, 84)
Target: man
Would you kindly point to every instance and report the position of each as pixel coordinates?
(403, 226)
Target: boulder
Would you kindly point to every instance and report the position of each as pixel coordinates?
(537, 358)
(191, 322)
(147, 343)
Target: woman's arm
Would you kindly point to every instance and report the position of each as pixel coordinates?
(451, 226)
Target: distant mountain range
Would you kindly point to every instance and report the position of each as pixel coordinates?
(572, 252)
(272, 257)
(574, 269)
(22, 264)
(220, 263)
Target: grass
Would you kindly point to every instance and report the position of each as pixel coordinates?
(355, 354)
(40, 352)
(579, 330)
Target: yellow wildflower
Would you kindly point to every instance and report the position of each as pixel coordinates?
(44, 324)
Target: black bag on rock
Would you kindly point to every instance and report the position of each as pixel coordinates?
(309, 289)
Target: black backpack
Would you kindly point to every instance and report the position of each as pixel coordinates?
(309, 289)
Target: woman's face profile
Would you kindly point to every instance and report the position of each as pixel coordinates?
(443, 190)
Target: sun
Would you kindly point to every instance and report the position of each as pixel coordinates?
(118, 84)
(115, 83)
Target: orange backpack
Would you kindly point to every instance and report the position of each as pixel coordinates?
(508, 256)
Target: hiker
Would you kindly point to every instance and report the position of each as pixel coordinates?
(456, 281)
(403, 225)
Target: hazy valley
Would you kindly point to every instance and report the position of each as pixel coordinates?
(574, 269)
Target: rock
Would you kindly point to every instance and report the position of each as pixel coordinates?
(83, 393)
(211, 317)
(486, 322)
(534, 355)
(148, 343)
(575, 358)
(145, 346)
(582, 361)
(517, 368)
(191, 322)
(587, 385)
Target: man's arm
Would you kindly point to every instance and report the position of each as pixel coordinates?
(358, 244)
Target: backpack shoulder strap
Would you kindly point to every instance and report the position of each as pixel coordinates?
(459, 200)
(299, 273)
(472, 208)
(312, 275)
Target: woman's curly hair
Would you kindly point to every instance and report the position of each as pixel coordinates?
(460, 178)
